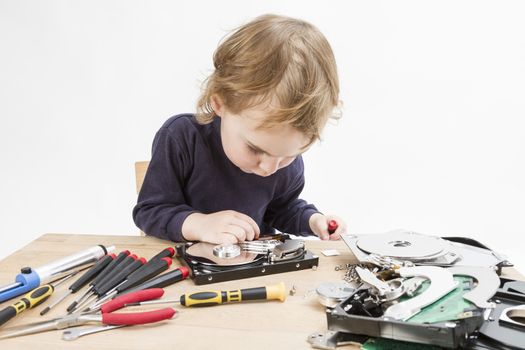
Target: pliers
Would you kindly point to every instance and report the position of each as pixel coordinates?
(106, 315)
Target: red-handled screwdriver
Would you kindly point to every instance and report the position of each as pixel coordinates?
(332, 226)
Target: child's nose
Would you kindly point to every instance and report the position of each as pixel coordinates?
(269, 165)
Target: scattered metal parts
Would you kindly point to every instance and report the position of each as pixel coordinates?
(293, 290)
(441, 283)
(343, 267)
(488, 284)
(514, 315)
(75, 333)
(332, 293)
(351, 275)
(227, 251)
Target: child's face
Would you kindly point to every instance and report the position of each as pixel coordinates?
(258, 151)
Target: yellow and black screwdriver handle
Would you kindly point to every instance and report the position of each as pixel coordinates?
(28, 301)
(271, 292)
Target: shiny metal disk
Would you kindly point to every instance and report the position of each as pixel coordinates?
(405, 245)
(227, 251)
(332, 293)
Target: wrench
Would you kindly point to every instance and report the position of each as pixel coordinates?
(73, 334)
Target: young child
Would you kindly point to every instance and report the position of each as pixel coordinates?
(234, 170)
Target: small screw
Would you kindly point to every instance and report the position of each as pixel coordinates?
(293, 290)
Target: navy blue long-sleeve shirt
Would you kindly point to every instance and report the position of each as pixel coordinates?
(189, 172)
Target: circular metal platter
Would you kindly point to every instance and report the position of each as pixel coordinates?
(202, 253)
(406, 245)
(331, 293)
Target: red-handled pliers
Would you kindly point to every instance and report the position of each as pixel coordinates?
(106, 315)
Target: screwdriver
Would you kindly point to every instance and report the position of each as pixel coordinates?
(147, 268)
(34, 298)
(83, 280)
(161, 281)
(144, 273)
(120, 257)
(332, 226)
(166, 253)
(124, 264)
(210, 298)
(101, 290)
(152, 268)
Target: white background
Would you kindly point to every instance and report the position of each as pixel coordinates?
(431, 139)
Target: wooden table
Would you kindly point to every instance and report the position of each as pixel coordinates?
(256, 325)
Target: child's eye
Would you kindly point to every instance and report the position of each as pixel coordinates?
(254, 150)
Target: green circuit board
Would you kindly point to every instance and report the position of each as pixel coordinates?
(450, 307)
(389, 344)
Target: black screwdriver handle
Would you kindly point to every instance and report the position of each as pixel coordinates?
(119, 277)
(166, 253)
(161, 281)
(117, 261)
(128, 260)
(148, 271)
(91, 273)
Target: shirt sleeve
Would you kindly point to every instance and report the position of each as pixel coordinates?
(287, 212)
(161, 207)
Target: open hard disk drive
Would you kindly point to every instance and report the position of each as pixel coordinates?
(211, 263)
(428, 290)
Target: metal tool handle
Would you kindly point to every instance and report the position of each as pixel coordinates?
(62, 267)
(31, 278)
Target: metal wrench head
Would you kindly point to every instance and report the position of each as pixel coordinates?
(75, 333)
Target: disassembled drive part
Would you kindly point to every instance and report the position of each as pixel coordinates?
(514, 312)
(385, 291)
(330, 294)
(441, 283)
(488, 284)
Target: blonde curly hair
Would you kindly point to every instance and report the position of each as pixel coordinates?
(275, 58)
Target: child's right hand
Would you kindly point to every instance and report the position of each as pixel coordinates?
(226, 226)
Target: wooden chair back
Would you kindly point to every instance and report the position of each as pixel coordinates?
(140, 173)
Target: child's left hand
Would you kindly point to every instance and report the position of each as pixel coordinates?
(319, 225)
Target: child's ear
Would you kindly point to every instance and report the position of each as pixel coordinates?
(216, 104)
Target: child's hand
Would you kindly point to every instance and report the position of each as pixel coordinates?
(226, 226)
(319, 225)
